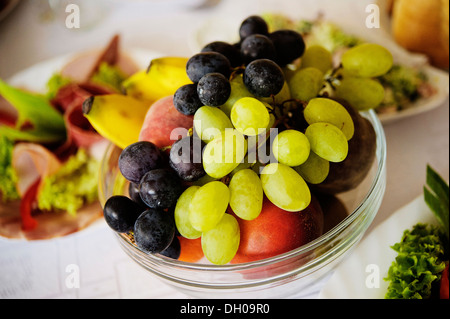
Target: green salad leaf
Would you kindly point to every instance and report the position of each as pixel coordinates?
(109, 76)
(8, 176)
(419, 263)
(72, 186)
(38, 120)
(422, 252)
(55, 83)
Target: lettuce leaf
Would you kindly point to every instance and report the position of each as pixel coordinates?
(38, 120)
(8, 176)
(109, 76)
(54, 84)
(74, 185)
(419, 264)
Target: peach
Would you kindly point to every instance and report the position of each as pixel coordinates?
(164, 125)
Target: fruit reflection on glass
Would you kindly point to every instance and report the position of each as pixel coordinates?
(241, 144)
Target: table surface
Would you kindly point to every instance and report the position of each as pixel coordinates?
(31, 34)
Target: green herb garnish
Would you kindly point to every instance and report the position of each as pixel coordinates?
(419, 263)
(422, 252)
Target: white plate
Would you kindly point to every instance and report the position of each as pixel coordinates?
(221, 29)
(361, 275)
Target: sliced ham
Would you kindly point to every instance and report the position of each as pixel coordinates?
(33, 162)
(82, 68)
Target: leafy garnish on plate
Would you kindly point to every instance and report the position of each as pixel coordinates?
(8, 177)
(423, 251)
(38, 120)
(419, 263)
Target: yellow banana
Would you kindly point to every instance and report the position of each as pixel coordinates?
(171, 72)
(118, 118)
(144, 88)
(163, 77)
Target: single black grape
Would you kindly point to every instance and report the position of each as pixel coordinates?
(253, 25)
(133, 192)
(263, 78)
(174, 249)
(154, 231)
(186, 158)
(256, 47)
(121, 213)
(207, 62)
(186, 99)
(231, 52)
(214, 89)
(289, 46)
(139, 158)
(160, 188)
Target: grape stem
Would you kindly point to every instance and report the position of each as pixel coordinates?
(236, 71)
(334, 77)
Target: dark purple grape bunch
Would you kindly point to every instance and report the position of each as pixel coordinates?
(210, 73)
(265, 53)
(153, 192)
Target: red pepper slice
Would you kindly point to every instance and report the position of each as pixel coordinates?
(444, 284)
(28, 222)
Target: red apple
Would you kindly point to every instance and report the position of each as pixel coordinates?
(277, 231)
(163, 124)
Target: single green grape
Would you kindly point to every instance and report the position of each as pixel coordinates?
(291, 148)
(327, 141)
(249, 116)
(361, 93)
(285, 188)
(221, 243)
(182, 214)
(246, 194)
(238, 91)
(224, 153)
(245, 164)
(329, 111)
(317, 57)
(367, 60)
(208, 206)
(315, 170)
(210, 121)
(306, 84)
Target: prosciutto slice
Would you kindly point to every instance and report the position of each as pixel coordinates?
(34, 162)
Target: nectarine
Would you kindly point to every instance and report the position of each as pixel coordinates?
(163, 124)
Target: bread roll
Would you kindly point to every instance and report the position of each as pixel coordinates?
(422, 26)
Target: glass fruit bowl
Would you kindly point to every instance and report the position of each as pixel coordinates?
(290, 275)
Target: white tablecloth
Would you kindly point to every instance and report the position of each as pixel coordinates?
(30, 35)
